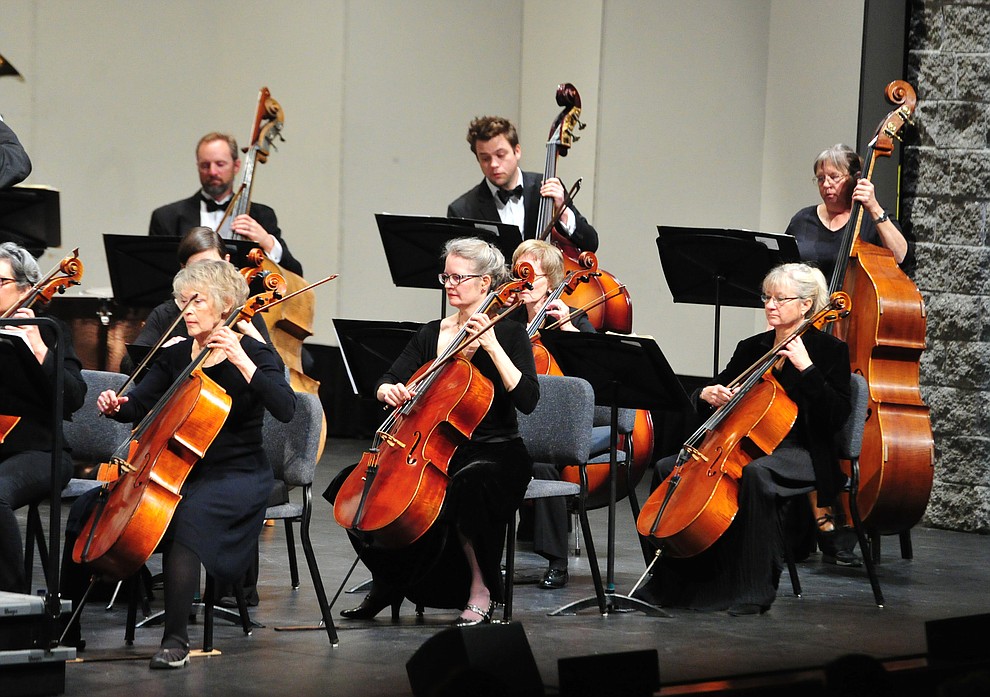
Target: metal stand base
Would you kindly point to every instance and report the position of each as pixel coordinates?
(613, 603)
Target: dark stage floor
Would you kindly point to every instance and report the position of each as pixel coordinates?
(949, 576)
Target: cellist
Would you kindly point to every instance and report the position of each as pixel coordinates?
(488, 474)
(509, 194)
(224, 498)
(739, 572)
(26, 451)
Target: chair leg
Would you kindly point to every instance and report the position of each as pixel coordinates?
(34, 536)
(209, 597)
(864, 545)
(290, 542)
(510, 567)
(907, 550)
(314, 569)
(596, 572)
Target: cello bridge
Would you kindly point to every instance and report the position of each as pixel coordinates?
(123, 466)
(391, 440)
(695, 453)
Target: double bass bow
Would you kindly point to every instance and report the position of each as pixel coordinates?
(694, 506)
(615, 314)
(63, 275)
(886, 338)
(395, 493)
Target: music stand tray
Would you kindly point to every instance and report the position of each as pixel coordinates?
(368, 349)
(720, 267)
(624, 371)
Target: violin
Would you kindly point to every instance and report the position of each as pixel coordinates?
(694, 506)
(65, 274)
(886, 338)
(395, 493)
(615, 314)
(134, 511)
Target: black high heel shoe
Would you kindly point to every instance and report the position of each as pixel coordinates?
(371, 606)
(484, 617)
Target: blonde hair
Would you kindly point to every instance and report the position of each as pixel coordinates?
(218, 280)
(808, 283)
(550, 257)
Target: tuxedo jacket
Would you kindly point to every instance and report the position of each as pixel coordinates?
(175, 220)
(479, 204)
(14, 162)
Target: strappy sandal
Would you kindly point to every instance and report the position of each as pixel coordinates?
(484, 616)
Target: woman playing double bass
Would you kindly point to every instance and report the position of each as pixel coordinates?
(26, 451)
(740, 570)
(224, 498)
(488, 473)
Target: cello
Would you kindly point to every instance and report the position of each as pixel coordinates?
(886, 338)
(695, 505)
(292, 323)
(395, 493)
(133, 512)
(66, 273)
(615, 314)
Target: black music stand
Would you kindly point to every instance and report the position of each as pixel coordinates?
(142, 267)
(413, 244)
(368, 349)
(30, 216)
(624, 371)
(720, 267)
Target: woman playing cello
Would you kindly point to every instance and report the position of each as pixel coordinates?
(224, 498)
(26, 451)
(488, 474)
(740, 570)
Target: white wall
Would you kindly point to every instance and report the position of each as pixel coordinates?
(704, 113)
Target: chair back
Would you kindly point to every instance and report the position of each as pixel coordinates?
(849, 439)
(625, 418)
(292, 448)
(559, 429)
(93, 437)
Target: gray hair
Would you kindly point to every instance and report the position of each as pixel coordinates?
(23, 266)
(219, 280)
(808, 283)
(485, 258)
(842, 157)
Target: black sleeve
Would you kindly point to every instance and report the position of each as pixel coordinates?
(268, 381)
(420, 349)
(74, 387)
(824, 387)
(15, 165)
(585, 237)
(512, 336)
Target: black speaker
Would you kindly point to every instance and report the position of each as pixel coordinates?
(958, 640)
(486, 659)
(625, 674)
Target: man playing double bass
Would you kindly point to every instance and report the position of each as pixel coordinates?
(509, 194)
(218, 162)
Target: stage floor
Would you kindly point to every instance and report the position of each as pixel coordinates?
(949, 576)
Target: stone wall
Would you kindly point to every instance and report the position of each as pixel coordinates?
(945, 194)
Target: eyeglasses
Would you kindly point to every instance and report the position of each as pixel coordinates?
(776, 301)
(834, 178)
(456, 279)
(5, 281)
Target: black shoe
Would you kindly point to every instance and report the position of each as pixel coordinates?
(837, 547)
(743, 609)
(554, 579)
(483, 616)
(169, 658)
(230, 602)
(371, 606)
(842, 557)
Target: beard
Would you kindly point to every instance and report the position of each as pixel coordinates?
(215, 191)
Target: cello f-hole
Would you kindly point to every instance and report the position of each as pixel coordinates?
(410, 458)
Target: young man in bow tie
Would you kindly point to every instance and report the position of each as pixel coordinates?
(218, 162)
(511, 195)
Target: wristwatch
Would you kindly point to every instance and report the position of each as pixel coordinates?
(882, 219)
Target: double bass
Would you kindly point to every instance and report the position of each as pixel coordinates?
(133, 511)
(65, 274)
(395, 493)
(886, 337)
(695, 505)
(292, 322)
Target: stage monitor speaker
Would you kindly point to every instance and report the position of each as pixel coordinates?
(625, 674)
(958, 640)
(486, 659)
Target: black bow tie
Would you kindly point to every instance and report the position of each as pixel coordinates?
(505, 194)
(212, 206)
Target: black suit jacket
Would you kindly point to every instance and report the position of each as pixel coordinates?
(14, 162)
(479, 204)
(175, 220)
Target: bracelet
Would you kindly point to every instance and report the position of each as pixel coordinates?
(882, 219)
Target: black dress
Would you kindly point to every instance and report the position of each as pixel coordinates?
(488, 478)
(744, 564)
(224, 498)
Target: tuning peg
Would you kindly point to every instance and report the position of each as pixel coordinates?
(581, 125)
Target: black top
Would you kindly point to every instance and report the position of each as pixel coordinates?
(27, 390)
(500, 422)
(821, 393)
(15, 165)
(580, 321)
(479, 204)
(820, 246)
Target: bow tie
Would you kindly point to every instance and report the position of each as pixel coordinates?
(212, 206)
(505, 194)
